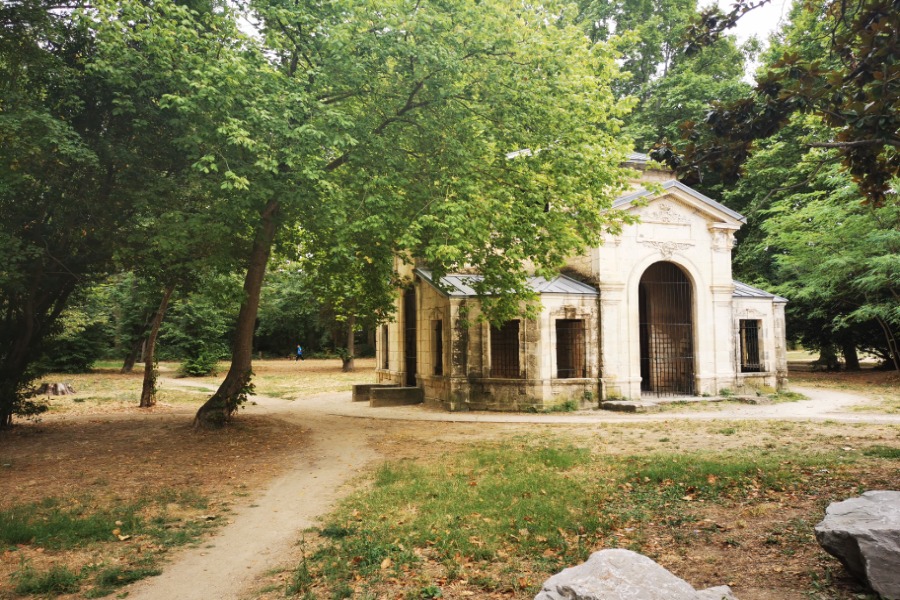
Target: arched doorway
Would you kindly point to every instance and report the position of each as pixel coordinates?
(665, 296)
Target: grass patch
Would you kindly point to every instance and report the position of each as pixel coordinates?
(787, 396)
(883, 452)
(57, 580)
(63, 526)
(111, 578)
(50, 524)
(549, 504)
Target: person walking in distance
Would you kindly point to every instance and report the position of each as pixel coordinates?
(299, 353)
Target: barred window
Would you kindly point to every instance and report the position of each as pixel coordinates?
(749, 332)
(438, 347)
(385, 352)
(505, 351)
(570, 353)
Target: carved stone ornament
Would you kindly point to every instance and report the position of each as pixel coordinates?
(723, 240)
(665, 213)
(667, 249)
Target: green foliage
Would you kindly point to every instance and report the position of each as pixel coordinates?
(831, 61)
(204, 363)
(686, 93)
(88, 157)
(818, 243)
(290, 313)
(198, 325)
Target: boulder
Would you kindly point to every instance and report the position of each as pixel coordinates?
(864, 534)
(623, 575)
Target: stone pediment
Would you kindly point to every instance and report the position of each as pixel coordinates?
(676, 205)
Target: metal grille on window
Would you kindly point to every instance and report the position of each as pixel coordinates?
(438, 359)
(750, 362)
(385, 348)
(409, 318)
(505, 351)
(569, 348)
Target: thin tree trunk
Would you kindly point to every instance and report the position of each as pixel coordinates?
(133, 353)
(148, 392)
(234, 389)
(851, 358)
(893, 349)
(347, 359)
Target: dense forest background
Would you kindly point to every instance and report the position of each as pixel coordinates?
(156, 159)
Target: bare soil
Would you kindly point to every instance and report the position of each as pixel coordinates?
(291, 455)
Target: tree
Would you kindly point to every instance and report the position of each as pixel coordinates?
(289, 312)
(200, 323)
(412, 111)
(813, 237)
(837, 61)
(132, 309)
(648, 33)
(78, 165)
(687, 91)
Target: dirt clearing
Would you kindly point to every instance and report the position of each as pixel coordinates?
(289, 458)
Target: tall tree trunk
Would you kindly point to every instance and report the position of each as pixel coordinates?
(347, 359)
(148, 392)
(136, 350)
(851, 358)
(893, 347)
(234, 389)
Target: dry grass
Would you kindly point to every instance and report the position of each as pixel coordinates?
(98, 451)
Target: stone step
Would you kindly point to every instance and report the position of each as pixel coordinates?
(395, 396)
(629, 406)
(362, 391)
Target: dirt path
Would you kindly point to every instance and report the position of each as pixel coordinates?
(258, 536)
(263, 534)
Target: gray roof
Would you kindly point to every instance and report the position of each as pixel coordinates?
(627, 199)
(459, 285)
(638, 157)
(742, 290)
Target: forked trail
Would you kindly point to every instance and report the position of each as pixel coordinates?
(340, 436)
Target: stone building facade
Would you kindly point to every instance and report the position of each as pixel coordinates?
(652, 311)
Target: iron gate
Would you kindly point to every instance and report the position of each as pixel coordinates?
(665, 301)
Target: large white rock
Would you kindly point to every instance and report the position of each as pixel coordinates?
(623, 575)
(864, 534)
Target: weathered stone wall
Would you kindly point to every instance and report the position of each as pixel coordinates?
(679, 228)
(772, 350)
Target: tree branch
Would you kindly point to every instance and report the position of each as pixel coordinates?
(875, 142)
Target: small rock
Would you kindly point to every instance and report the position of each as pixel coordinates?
(864, 534)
